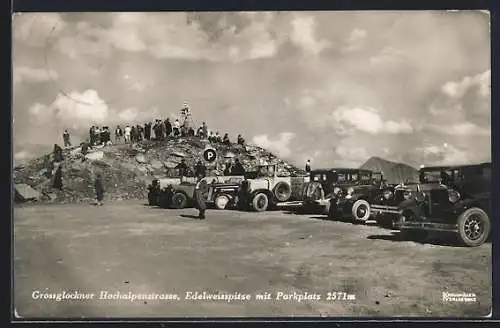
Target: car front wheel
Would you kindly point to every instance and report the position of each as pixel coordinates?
(179, 200)
(361, 210)
(260, 202)
(473, 227)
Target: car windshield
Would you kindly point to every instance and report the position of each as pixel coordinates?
(266, 171)
(443, 176)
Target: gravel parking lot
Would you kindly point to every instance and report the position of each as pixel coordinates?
(127, 247)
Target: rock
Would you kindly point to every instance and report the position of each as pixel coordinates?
(24, 193)
(156, 164)
(95, 155)
(52, 196)
(229, 155)
(101, 163)
(178, 154)
(142, 169)
(140, 158)
(76, 151)
(169, 164)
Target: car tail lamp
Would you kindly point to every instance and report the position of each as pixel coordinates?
(453, 196)
(388, 194)
(407, 194)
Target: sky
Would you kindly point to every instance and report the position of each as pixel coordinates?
(332, 87)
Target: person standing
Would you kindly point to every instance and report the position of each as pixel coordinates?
(225, 140)
(99, 189)
(205, 130)
(177, 128)
(200, 198)
(66, 139)
(58, 184)
(182, 167)
(128, 132)
(58, 153)
(168, 128)
(200, 170)
(118, 134)
(308, 166)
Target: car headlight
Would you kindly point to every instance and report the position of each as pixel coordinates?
(453, 196)
(336, 190)
(407, 194)
(387, 194)
(350, 191)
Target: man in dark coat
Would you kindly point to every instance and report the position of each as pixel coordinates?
(200, 170)
(182, 167)
(66, 139)
(99, 189)
(200, 198)
(58, 153)
(228, 170)
(168, 127)
(238, 169)
(58, 178)
(225, 140)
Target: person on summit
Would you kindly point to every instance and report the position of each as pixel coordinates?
(308, 166)
(66, 139)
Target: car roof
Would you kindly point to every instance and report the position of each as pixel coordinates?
(451, 167)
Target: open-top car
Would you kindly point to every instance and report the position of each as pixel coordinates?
(448, 199)
(342, 192)
(269, 186)
(176, 191)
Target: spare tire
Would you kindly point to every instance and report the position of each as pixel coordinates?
(282, 191)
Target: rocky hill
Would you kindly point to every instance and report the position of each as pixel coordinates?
(393, 172)
(126, 169)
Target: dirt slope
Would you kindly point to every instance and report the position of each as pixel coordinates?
(393, 172)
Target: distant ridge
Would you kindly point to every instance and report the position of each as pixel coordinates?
(393, 172)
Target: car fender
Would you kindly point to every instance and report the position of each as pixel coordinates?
(463, 205)
(410, 205)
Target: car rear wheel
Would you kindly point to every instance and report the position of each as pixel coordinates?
(361, 210)
(260, 202)
(179, 200)
(221, 202)
(473, 227)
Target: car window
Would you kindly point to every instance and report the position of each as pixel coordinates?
(430, 176)
(341, 177)
(366, 177)
(354, 177)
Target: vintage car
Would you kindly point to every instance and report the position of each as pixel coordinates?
(269, 186)
(448, 199)
(176, 191)
(342, 192)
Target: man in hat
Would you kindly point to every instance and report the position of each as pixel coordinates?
(308, 166)
(67, 142)
(200, 198)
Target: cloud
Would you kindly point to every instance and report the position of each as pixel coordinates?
(445, 154)
(461, 129)
(75, 109)
(37, 29)
(355, 41)
(368, 120)
(482, 82)
(24, 74)
(280, 146)
(303, 34)
(388, 57)
(351, 156)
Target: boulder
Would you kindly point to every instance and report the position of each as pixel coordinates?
(24, 192)
(170, 164)
(140, 158)
(95, 155)
(157, 165)
(178, 154)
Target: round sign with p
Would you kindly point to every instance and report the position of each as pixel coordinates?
(210, 155)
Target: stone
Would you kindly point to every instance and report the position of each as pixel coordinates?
(140, 158)
(24, 193)
(95, 155)
(157, 165)
(178, 154)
